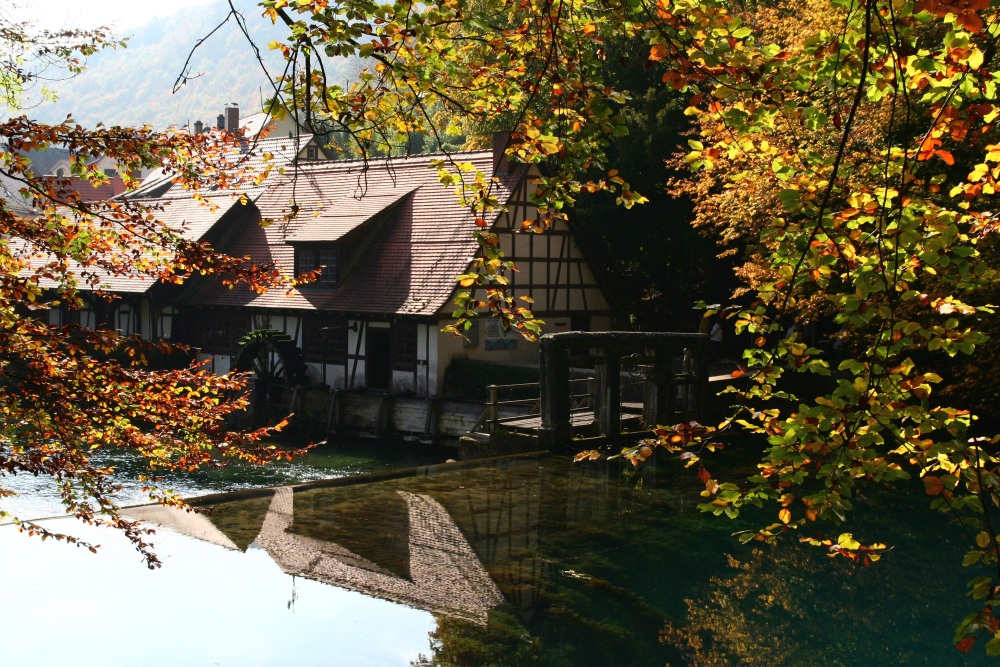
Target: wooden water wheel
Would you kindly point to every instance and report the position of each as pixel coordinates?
(276, 361)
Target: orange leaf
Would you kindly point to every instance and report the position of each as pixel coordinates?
(658, 52)
(785, 515)
(971, 22)
(948, 158)
(933, 485)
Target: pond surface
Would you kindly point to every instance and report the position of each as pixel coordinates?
(522, 561)
(40, 498)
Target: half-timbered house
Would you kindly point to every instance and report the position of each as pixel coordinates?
(389, 240)
(147, 307)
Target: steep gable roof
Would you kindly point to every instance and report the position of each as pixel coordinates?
(190, 218)
(409, 269)
(333, 220)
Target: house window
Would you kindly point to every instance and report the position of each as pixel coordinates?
(324, 339)
(215, 332)
(125, 322)
(168, 316)
(110, 173)
(311, 153)
(318, 257)
(85, 317)
(404, 346)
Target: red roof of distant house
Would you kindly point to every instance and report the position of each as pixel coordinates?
(89, 192)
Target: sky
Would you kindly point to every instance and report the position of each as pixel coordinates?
(121, 14)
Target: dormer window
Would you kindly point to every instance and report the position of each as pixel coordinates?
(311, 153)
(316, 257)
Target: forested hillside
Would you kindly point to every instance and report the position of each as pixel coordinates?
(132, 86)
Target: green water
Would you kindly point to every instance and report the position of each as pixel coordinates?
(603, 566)
(522, 561)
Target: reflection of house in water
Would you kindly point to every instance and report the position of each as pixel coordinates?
(444, 577)
(456, 543)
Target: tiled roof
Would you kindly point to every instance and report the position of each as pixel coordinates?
(332, 220)
(179, 210)
(409, 269)
(88, 192)
(276, 153)
(193, 219)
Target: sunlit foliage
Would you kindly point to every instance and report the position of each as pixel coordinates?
(849, 145)
(72, 389)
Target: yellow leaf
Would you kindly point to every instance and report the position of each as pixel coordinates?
(983, 539)
(785, 515)
(847, 541)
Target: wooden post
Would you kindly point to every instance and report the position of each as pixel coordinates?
(494, 408)
(609, 390)
(554, 388)
(658, 395)
(702, 392)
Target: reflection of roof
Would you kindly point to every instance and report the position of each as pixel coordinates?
(409, 269)
(446, 576)
(193, 524)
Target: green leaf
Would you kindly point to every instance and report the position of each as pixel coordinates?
(789, 199)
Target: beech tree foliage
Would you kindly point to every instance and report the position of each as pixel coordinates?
(848, 145)
(72, 395)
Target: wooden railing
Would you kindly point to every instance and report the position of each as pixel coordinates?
(656, 353)
(496, 404)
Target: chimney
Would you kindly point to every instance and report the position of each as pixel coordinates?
(220, 122)
(501, 165)
(232, 117)
(199, 127)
